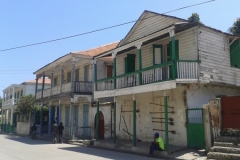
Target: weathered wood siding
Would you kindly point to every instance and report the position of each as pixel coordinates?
(214, 53)
(187, 50)
(149, 25)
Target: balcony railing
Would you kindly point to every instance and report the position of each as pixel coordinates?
(79, 87)
(10, 102)
(181, 69)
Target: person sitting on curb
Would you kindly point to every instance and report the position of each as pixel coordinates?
(157, 144)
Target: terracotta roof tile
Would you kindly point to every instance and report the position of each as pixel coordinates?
(98, 50)
(47, 81)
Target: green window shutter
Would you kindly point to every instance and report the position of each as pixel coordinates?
(69, 77)
(77, 75)
(18, 94)
(176, 50)
(130, 63)
(21, 93)
(15, 95)
(235, 54)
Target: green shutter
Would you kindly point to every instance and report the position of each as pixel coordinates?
(77, 75)
(176, 50)
(130, 63)
(21, 93)
(15, 95)
(69, 77)
(235, 54)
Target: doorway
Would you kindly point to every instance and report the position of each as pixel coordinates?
(85, 121)
(100, 125)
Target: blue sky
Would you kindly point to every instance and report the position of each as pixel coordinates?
(26, 21)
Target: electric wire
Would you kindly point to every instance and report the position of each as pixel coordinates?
(101, 29)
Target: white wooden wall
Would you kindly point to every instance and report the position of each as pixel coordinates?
(214, 54)
(150, 25)
(187, 50)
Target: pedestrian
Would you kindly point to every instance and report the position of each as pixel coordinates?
(157, 144)
(60, 132)
(54, 132)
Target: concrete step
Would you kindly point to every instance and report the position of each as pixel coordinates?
(225, 144)
(225, 149)
(228, 139)
(223, 156)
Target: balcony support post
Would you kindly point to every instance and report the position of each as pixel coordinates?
(72, 77)
(97, 121)
(61, 78)
(41, 118)
(134, 121)
(166, 121)
(114, 68)
(139, 63)
(52, 81)
(71, 120)
(36, 87)
(115, 120)
(173, 54)
(13, 93)
(59, 112)
(49, 118)
(95, 73)
(12, 110)
(43, 83)
(34, 114)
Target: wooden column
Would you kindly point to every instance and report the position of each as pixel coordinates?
(139, 63)
(95, 73)
(72, 76)
(41, 118)
(43, 83)
(61, 79)
(166, 122)
(52, 81)
(173, 54)
(115, 120)
(36, 87)
(134, 122)
(114, 69)
(49, 118)
(34, 115)
(97, 122)
(59, 112)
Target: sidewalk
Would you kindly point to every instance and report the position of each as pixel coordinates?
(175, 153)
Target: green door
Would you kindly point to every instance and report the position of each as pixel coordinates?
(67, 112)
(75, 121)
(195, 128)
(130, 63)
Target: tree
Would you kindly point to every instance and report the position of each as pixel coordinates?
(235, 28)
(194, 18)
(25, 105)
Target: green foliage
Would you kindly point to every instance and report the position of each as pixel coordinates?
(235, 28)
(194, 18)
(25, 105)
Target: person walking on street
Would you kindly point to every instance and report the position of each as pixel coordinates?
(60, 132)
(54, 131)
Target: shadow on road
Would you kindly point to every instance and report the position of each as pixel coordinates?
(105, 153)
(25, 140)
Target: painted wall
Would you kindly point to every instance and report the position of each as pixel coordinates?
(198, 95)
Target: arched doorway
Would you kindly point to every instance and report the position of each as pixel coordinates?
(100, 125)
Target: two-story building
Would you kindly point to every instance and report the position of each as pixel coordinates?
(70, 95)
(11, 96)
(165, 69)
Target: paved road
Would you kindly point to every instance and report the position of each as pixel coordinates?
(23, 148)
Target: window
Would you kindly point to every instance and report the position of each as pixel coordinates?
(109, 71)
(69, 77)
(235, 54)
(86, 73)
(77, 75)
(15, 95)
(21, 93)
(129, 63)
(157, 54)
(18, 94)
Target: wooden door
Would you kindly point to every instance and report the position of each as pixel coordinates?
(101, 125)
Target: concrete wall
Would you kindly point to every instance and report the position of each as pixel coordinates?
(198, 95)
(106, 110)
(23, 128)
(144, 120)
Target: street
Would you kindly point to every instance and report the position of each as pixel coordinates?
(23, 148)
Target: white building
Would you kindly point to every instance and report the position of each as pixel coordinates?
(11, 96)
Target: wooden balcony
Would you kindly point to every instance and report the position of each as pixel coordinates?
(79, 87)
(181, 69)
(10, 102)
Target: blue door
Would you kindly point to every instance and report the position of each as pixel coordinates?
(75, 120)
(67, 110)
(86, 131)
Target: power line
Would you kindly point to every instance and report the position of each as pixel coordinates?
(114, 26)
